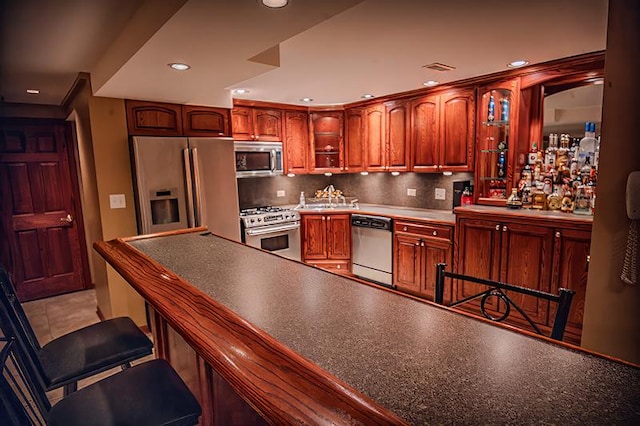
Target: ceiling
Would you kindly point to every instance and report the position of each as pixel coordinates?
(333, 51)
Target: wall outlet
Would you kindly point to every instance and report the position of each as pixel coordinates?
(280, 193)
(440, 194)
(411, 192)
(117, 201)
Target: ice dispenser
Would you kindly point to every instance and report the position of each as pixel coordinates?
(164, 206)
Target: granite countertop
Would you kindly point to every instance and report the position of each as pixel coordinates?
(546, 214)
(426, 363)
(440, 216)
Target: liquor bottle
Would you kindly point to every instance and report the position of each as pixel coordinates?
(504, 109)
(550, 153)
(587, 146)
(492, 108)
(466, 199)
(502, 165)
(533, 154)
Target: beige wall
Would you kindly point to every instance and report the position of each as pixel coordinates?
(113, 172)
(612, 309)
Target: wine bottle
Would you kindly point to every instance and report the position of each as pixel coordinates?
(587, 147)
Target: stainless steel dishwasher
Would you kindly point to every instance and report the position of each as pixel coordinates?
(372, 242)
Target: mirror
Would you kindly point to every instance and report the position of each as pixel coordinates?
(568, 109)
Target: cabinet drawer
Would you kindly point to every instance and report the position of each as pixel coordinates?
(423, 229)
(336, 266)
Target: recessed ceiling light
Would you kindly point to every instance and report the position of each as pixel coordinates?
(447, 173)
(33, 91)
(517, 64)
(240, 91)
(275, 4)
(179, 66)
(367, 96)
(291, 175)
(306, 99)
(395, 173)
(328, 174)
(364, 173)
(430, 83)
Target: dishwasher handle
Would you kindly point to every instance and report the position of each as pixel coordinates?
(373, 222)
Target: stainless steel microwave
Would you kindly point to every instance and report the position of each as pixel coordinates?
(254, 159)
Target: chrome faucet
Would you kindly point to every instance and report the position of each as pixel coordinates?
(330, 190)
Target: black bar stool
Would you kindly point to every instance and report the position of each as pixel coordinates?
(72, 357)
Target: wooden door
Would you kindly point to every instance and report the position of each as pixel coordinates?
(314, 231)
(339, 236)
(153, 118)
(425, 130)
(376, 154)
(354, 143)
(570, 270)
(326, 140)
(526, 262)
(267, 124)
(43, 241)
(296, 141)
(434, 252)
(205, 121)
(407, 262)
(242, 124)
(397, 136)
(457, 131)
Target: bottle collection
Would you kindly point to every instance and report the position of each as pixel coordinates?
(561, 177)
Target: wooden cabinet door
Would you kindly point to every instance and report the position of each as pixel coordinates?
(457, 131)
(354, 142)
(296, 141)
(397, 135)
(327, 140)
(376, 151)
(434, 252)
(267, 124)
(205, 121)
(314, 229)
(570, 269)
(339, 236)
(153, 118)
(478, 256)
(526, 262)
(425, 130)
(407, 262)
(242, 123)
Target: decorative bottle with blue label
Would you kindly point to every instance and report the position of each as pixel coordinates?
(504, 109)
(492, 108)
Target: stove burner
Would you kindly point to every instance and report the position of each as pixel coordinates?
(260, 210)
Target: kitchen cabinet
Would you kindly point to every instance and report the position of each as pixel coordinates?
(205, 121)
(354, 146)
(497, 142)
(296, 141)
(256, 124)
(443, 132)
(327, 241)
(386, 136)
(417, 248)
(327, 150)
(153, 118)
(518, 250)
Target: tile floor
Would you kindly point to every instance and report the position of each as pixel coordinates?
(55, 316)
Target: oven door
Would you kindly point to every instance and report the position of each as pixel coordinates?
(283, 240)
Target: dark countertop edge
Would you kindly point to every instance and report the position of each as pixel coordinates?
(526, 214)
(305, 392)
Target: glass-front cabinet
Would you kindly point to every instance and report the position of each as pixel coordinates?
(497, 118)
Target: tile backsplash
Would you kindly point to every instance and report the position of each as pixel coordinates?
(375, 188)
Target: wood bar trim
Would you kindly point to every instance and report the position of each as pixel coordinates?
(281, 385)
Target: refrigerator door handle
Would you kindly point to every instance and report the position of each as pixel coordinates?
(187, 179)
(196, 187)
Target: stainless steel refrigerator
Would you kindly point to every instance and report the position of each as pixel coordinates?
(186, 182)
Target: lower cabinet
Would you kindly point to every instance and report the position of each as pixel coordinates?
(518, 250)
(327, 241)
(417, 248)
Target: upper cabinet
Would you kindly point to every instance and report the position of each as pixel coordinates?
(256, 124)
(354, 147)
(327, 150)
(374, 131)
(497, 141)
(442, 132)
(205, 121)
(296, 141)
(153, 118)
(386, 135)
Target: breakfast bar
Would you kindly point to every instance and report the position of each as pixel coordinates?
(261, 339)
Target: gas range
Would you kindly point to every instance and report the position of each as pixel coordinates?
(267, 216)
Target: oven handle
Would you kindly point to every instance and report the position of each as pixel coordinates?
(271, 230)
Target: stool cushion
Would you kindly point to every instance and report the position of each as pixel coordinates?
(150, 393)
(92, 349)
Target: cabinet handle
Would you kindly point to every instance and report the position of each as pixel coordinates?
(588, 258)
(253, 137)
(435, 233)
(404, 228)
(338, 266)
(558, 235)
(422, 243)
(257, 137)
(504, 228)
(497, 227)
(417, 243)
(324, 218)
(220, 133)
(328, 218)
